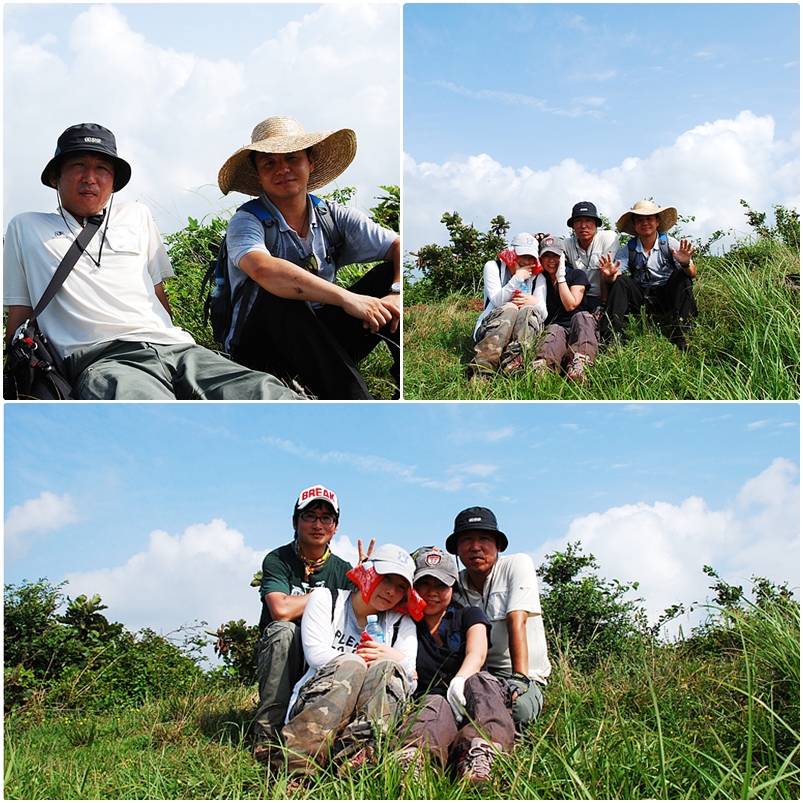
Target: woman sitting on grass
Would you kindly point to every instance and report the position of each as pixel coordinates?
(353, 685)
(515, 308)
(464, 719)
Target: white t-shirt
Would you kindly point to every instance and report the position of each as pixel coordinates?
(512, 585)
(604, 242)
(326, 635)
(115, 300)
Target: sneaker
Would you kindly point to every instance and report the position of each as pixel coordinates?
(411, 762)
(539, 368)
(476, 763)
(365, 755)
(576, 370)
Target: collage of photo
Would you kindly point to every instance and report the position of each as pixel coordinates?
(498, 309)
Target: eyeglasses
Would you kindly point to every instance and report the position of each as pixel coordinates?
(324, 518)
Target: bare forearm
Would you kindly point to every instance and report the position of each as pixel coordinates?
(284, 607)
(517, 642)
(286, 280)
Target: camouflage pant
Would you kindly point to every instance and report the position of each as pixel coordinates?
(505, 329)
(341, 708)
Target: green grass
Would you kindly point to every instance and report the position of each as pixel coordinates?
(716, 716)
(745, 345)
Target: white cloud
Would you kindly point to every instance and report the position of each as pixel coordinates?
(178, 116)
(664, 546)
(33, 518)
(202, 574)
(703, 173)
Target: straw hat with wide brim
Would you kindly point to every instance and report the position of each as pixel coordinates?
(667, 217)
(333, 152)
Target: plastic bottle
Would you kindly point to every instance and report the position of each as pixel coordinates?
(374, 629)
(218, 288)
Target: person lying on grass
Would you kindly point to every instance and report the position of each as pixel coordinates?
(464, 718)
(515, 308)
(354, 686)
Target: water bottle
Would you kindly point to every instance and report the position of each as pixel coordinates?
(521, 285)
(374, 629)
(218, 288)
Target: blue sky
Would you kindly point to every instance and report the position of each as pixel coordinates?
(166, 510)
(694, 104)
(182, 86)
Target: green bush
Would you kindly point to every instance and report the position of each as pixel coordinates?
(80, 659)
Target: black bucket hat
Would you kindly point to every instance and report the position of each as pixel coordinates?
(584, 209)
(89, 137)
(475, 518)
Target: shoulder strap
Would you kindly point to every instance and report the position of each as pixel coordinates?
(75, 250)
(331, 233)
(666, 249)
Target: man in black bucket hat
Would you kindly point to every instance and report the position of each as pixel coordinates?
(506, 588)
(109, 321)
(586, 246)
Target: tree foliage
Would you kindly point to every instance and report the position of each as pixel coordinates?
(587, 618)
(80, 659)
(457, 267)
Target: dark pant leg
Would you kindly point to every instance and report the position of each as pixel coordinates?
(280, 664)
(431, 727)
(677, 298)
(286, 338)
(624, 296)
(555, 345)
(358, 341)
(487, 706)
(583, 337)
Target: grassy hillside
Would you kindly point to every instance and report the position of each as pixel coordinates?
(746, 344)
(716, 715)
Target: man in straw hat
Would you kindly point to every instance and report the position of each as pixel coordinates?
(110, 320)
(299, 323)
(660, 273)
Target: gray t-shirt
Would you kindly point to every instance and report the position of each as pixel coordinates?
(363, 241)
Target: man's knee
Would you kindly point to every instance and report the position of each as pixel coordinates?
(527, 707)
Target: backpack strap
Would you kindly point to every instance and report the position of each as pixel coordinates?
(248, 289)
(331, 234)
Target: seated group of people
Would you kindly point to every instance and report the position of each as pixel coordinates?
(560, 299)
(110, 322)
(461, 661)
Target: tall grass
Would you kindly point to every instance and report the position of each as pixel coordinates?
(711, 717)
(745, 345)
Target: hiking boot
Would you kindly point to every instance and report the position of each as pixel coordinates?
(476, 763)
(365, 755)
(512, 359)
(576, 370)
(411, 762)
(539, 368)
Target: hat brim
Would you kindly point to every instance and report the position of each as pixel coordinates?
(122, 170)
(332, 152)
(570, 221)
(451, 541)
(667, 217)
(391, 567)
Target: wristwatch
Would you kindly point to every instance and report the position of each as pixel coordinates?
(395, 288)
